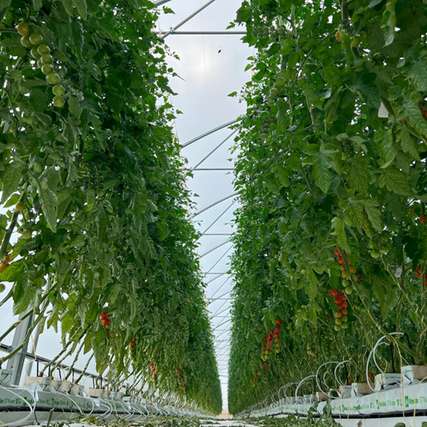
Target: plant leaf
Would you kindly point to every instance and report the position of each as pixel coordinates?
(338, 227)
(11, 180)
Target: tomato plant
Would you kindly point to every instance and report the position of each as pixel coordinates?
(332, 179)
(89, 158)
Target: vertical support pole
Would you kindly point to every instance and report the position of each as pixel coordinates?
(35, 341)
(16, 363)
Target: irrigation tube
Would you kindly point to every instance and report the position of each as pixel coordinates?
(336, 370)
(372, 355)
(318, 383)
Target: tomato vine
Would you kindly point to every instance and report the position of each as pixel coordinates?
(332, 179)
(92, 183)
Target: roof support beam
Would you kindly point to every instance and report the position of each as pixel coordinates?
(204, 33)
(217, 234)
(218, 260)
(218, 272)
(220, 298)
(215, 248)
(214, 204)
(209, 132)
(211, 169)
(220, 287)
(214, 149)
(161, 2)
(227, 307)
(215, 278)
(221, 324)
(188, 18)
(218, 218)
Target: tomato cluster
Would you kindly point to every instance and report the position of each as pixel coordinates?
(272, 338)
(347, 270)
(41, 53)
(340, 300)
(104, 319)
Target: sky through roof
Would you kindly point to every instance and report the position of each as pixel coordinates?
(210, 67)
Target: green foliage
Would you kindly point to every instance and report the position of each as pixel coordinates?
(332, 159)
(103, 204)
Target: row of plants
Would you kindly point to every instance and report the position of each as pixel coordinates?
(331, 238)
(95, 236)
(157, 421)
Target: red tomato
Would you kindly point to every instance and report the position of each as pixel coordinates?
(104, 318)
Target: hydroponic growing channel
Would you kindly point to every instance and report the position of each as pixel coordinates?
(210, 207)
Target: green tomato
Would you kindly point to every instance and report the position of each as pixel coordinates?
(34, 53)
(59, 101)
(47, 69)
(53, 78)
(36, 39)
(23, 29)
(46, 59)
(43, 49)
(25, 41)
(58, 90)
(348, 290)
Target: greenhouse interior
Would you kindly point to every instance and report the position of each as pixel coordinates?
(213, 213)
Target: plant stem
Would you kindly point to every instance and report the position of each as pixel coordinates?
(8, 235)
(85, 368)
